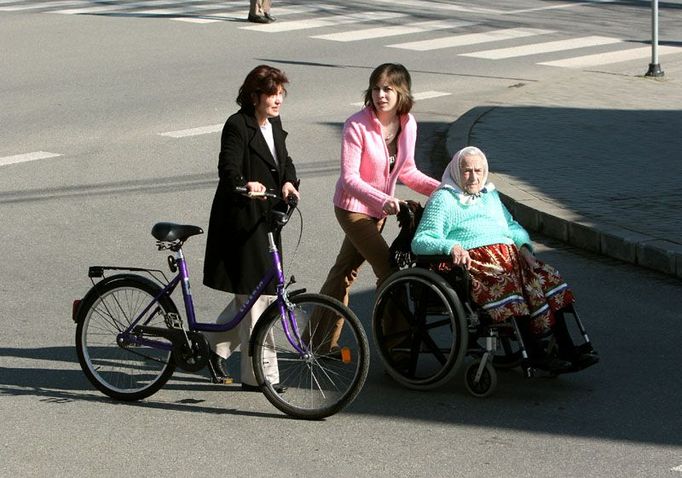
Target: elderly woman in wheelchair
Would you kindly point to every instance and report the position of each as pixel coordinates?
(471, 285)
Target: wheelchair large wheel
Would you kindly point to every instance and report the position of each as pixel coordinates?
(419, 329)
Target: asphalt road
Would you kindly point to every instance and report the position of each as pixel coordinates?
(101, 90)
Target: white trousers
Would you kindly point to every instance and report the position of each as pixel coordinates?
(259, 7)
(224, 343)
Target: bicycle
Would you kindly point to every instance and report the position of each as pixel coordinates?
(130, 336)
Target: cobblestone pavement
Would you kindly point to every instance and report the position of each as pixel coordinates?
(594, 159)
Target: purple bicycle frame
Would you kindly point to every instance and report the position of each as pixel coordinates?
(289, 319)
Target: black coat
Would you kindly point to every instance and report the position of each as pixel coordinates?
(237, 245)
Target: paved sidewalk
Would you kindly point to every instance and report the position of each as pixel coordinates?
(593, 159)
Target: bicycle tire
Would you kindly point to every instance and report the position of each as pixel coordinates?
(122, 372)
(321, 382)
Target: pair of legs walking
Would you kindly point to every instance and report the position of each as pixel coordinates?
(259, 11)
(224, 343)
(362, 242)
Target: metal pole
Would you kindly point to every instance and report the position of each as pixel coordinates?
(654, 66)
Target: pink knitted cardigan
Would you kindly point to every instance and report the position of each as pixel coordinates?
(365, 182)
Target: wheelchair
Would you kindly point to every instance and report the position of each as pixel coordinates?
(426, 328)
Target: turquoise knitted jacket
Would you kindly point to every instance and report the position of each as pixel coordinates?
(447, 222)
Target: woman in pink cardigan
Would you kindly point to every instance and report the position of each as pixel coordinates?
(377, 151)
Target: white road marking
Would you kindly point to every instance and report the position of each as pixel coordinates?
(538, 48)
(22, 158)
(183, 133)
(106, 8)
(538, 9)
(199, 20)
(421, 5)
(329, 21)
(91, 9)
(221, 16)
(677, 468)
(609, 58)
(35, 6)
(394, 30)
(470, 39)
(423, 95)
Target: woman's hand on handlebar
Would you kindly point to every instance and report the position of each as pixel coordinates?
(289, 190)
(254, 188)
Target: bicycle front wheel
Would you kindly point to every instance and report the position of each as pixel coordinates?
(123, 371)
(330, 369)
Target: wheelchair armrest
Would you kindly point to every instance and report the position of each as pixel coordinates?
(463, 276)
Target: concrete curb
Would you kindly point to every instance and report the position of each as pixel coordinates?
(569, 226)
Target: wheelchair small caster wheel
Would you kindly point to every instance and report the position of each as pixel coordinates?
(486, 383)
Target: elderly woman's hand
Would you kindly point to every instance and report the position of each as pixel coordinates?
(460, 256)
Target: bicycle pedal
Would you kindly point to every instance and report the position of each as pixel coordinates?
(222, 380)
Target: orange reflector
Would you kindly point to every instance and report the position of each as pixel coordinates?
(345, 355)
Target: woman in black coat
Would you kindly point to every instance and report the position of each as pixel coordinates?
(253, 155)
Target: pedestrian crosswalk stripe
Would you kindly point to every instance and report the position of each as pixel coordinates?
(547, 47)
(393, 30)
(470, 39)
(22, 158)
(323, 22)
(223, 16)
(422, 5)
(183, 133)
(36, 6)
(423, 95)
(611, 57)
(92, 9)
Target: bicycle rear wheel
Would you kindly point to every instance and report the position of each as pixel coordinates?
(324, 379)
(122, 371)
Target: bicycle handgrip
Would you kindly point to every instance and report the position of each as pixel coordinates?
(253, 194)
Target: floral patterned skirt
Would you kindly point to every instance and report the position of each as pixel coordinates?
(504, 285)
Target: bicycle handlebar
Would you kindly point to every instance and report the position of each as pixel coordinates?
(281, 218)
(255, 194)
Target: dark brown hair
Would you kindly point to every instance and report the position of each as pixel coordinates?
(263, 79)
(397, 76)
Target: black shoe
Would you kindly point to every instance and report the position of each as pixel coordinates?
(552, 364)
(255, 388)
(269, 17)
(257, 19)
(586, 359)
(217, 365)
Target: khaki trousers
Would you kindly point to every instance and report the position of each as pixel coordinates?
(224, 343)
(363, 242)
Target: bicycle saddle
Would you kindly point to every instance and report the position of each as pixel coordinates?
(169, 232)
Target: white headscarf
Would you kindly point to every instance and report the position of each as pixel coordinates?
(452, 176)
